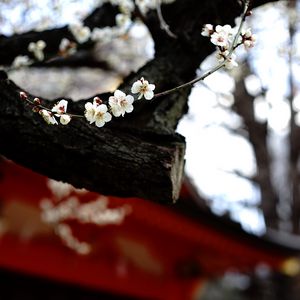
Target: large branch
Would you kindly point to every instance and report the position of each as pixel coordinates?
(140, 154)
(110, 160)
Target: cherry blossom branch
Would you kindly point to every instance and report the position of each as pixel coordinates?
(95, 112)
(58, 110)
(120, 103)
(234, 45)
(192, 82)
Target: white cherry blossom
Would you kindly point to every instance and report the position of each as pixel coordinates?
(143, 88)
(97, 112)
(102, 116)
(120, 103)
(37, 49)
(64, 119)
(248, 39)
(60, 108)
(207, 30)
(90, 109)
(222, 36)
(81, 33)
(48, 117)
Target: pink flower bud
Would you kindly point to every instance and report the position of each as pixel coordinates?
(37, 101)
(23, 96)
(97, 100)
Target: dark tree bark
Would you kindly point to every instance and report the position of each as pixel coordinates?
(138, 155)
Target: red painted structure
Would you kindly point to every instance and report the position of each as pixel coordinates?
(156, 253)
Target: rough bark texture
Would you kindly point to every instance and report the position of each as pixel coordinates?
(138, 155)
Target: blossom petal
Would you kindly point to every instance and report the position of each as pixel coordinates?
(218, 28)
(129, 108)
(151, 87)
(116, 111)
(100, 123)
(65, 119)
(102, 108)
(112, 101)
(88, 106)
(119, 94)
(107, 117)
(149, 95)
(129, 99)
(136, 87)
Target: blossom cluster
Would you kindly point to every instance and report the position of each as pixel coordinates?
(83, 33)
(65, 48)
(223, 38)
(118, 104)
(95, 112)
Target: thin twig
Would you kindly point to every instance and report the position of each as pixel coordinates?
(163, 24)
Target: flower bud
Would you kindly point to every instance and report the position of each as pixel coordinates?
(97, 100)
(37, 101)
(23, 96)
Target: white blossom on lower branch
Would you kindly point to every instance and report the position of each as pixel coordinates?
(60, 110)
(120, 103)
(143, 88)
(48, 117)
(64, 119)
(97, 112)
